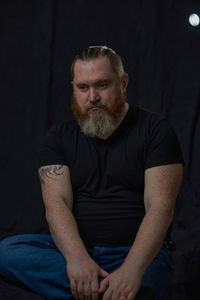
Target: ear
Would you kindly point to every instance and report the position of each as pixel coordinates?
(124, 81)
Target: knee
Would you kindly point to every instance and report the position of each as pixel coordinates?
(4, 254)
(7, 254)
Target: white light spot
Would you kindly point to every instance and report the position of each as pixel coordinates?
(194, 20)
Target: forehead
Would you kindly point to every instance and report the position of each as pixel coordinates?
(93, 70)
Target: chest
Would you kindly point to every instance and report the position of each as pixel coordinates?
(96, 164)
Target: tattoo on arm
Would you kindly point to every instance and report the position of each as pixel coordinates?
(50, 172)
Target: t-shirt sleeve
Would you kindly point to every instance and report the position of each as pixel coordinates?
(162, 146)
(51, 149)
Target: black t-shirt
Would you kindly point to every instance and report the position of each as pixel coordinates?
(108, 175)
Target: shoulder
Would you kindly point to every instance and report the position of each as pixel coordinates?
(58, 143)
(146, 115)
(64, 128)
(148, 121)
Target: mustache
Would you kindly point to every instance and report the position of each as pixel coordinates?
(96, 105)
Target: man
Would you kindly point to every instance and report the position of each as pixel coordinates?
(109, 183)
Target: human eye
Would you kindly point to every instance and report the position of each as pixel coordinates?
(102, 85)
(83, 87)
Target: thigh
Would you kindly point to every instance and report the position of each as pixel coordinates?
(34, 261)
(28, 249)
(109, 259)
(40, 240)
(158, 276)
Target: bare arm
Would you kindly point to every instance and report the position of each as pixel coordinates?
(57, 194)
(162, 184)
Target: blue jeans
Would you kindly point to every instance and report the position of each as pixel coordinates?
(34, 260)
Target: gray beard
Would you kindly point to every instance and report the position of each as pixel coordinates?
(98, 125)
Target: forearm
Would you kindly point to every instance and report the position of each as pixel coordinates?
(149, 240)
(64, 230)
(127, 279)
(82, 270)
(162, 185)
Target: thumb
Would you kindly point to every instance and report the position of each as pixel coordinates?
(103, 285)
(103, 273)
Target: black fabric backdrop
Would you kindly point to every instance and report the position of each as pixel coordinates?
(161, 54)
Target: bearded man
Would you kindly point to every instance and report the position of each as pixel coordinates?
(109, 179)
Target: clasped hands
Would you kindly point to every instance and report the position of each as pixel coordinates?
(121, 284)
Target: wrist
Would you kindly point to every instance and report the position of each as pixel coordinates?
(76, 254)
(133, 268)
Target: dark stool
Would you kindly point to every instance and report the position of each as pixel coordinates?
(145, 293)
(9, 291)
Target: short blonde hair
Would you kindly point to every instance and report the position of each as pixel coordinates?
(93, 52)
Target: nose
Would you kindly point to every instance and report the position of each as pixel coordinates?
(93, 96)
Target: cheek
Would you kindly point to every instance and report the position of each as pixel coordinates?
(81, 100)
(108, 98)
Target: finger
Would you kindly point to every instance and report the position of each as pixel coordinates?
(115, 294)
(103, 273)
(73, 288)
(80, 291)
(87, 291)
(118, 293)
(103, 285)
(95, 290)
(108, 295)
(131, 296)
(122, 298)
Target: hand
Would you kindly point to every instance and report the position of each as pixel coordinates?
(122, 284)
(83, 275)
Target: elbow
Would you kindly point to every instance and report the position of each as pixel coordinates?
(162, 214)
(47, 214)
(170, 215)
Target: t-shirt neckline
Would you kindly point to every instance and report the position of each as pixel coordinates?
(117, 131)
